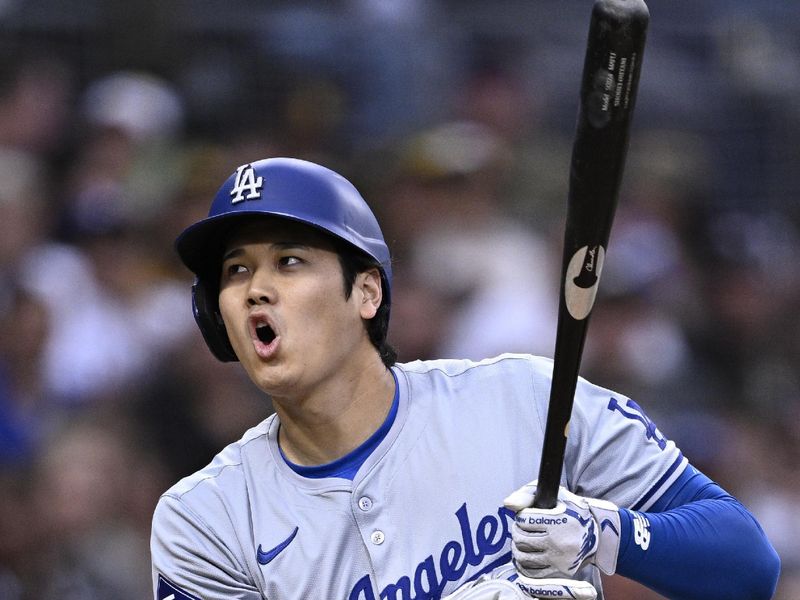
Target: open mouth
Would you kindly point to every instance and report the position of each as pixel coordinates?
(265, 333)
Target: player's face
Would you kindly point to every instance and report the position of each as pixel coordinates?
(283, 303)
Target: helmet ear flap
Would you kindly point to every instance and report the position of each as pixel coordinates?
(205, 306)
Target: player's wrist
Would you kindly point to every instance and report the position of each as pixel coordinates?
(625, 536)
(635, 539)
(609, 527)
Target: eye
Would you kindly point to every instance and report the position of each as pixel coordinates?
(235, 269)
(289, 261)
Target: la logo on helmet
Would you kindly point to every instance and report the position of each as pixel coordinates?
(246, 181)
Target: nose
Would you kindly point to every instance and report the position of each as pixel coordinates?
(256, 300)
(261, 291)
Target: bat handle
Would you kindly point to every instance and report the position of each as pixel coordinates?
(553, 449)
(546, 495)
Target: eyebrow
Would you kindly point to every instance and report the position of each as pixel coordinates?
(232, 254)
(290, 246)
(238, 251)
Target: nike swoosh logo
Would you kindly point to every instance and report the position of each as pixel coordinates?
(264, 558)
(581, 279)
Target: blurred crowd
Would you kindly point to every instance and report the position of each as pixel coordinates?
(118, 122)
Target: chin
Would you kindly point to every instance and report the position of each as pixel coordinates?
(270, 379)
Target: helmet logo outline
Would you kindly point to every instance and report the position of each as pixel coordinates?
(246, 181)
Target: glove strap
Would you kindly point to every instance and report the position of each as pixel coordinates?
(606, 515)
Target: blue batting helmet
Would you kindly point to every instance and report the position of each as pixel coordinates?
(286, 188)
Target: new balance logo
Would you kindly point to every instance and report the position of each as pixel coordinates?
(540, 592)
(246, 186)
(641, 531)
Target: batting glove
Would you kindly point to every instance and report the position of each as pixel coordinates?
(504, 583)
(556, 542)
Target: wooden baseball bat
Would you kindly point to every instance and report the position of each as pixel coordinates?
(610, 80)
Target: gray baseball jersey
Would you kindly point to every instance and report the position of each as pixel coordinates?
(423, 514)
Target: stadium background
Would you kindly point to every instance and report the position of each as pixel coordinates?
(118, 120)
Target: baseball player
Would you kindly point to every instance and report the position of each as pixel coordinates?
(382, 481)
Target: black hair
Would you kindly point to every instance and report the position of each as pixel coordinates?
(354, 262)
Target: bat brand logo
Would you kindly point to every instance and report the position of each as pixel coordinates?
(581, 280)
(588, 265)
(265, 558)
(246, 181)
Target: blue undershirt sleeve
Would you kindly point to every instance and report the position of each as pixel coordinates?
(698, 542)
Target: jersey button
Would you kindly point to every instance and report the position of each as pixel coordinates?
(365, 503)
(378, 537)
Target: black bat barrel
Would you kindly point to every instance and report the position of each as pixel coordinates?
(608, 93)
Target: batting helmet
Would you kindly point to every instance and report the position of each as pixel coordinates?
(287, 188)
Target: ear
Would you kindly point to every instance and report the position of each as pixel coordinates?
(368, 284)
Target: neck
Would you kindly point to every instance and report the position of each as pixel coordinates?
(337, 416)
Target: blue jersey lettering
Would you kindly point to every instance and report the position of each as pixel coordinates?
(636, 413)
(475, 546)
